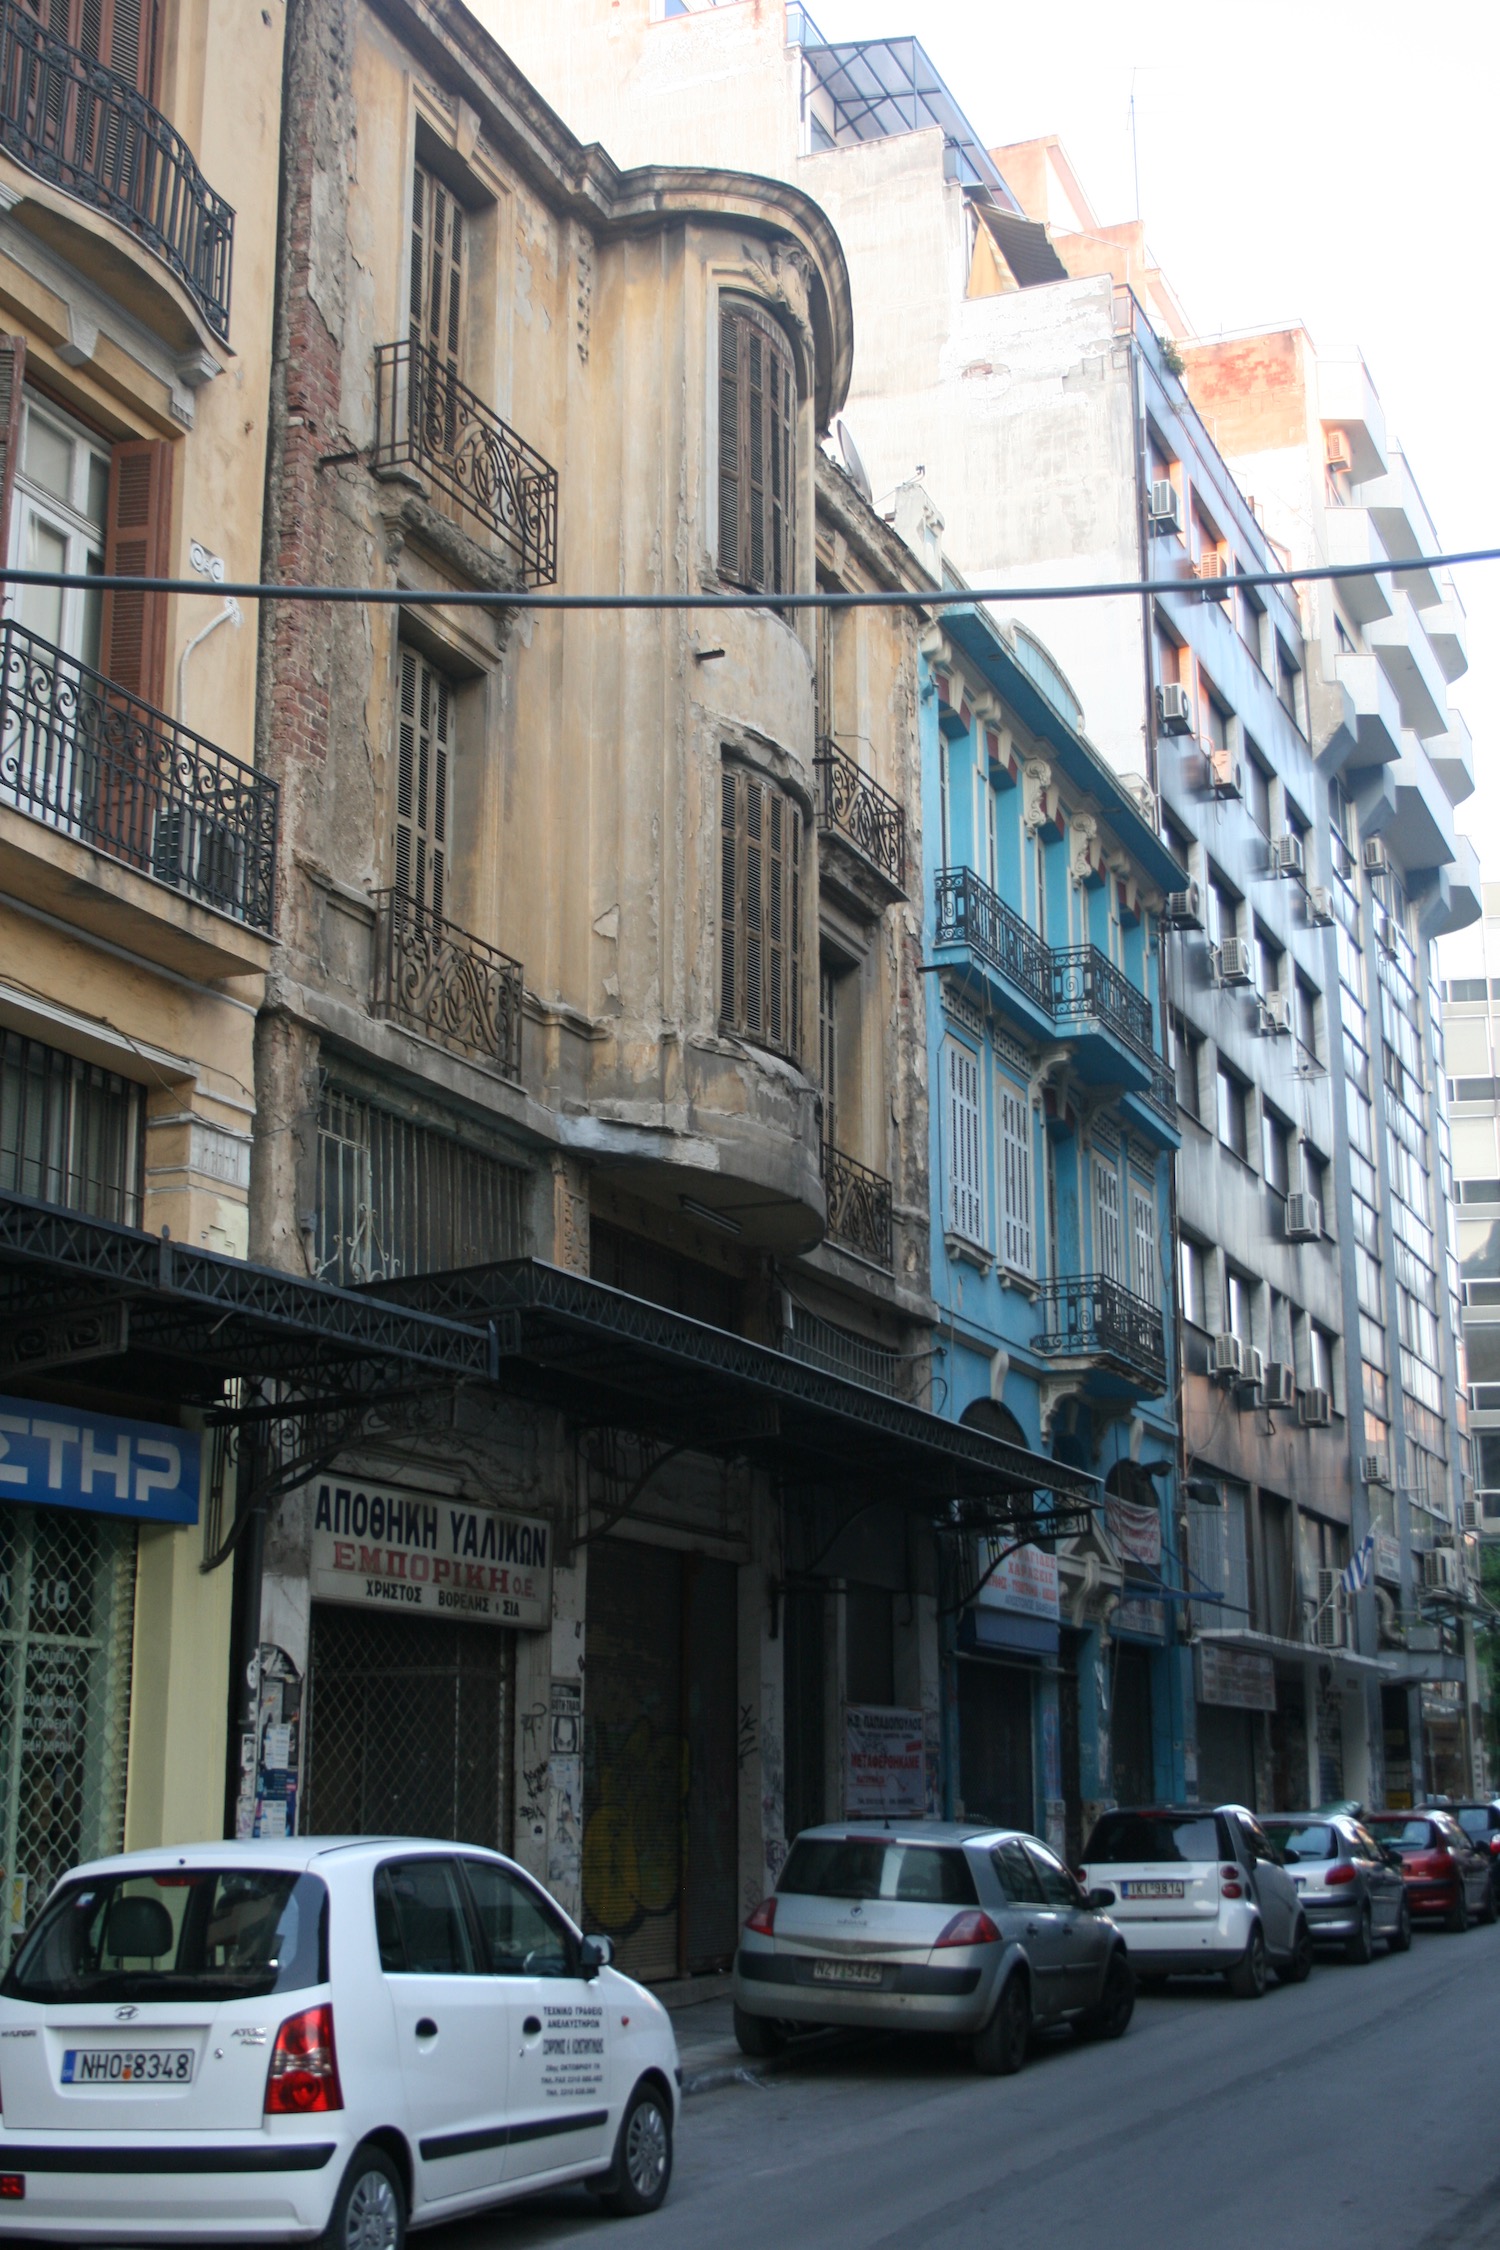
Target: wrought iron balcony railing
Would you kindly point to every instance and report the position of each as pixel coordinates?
(426, 419)
(969, 913)
(1090, 1316)
(1086, 983)
(859, 1207)
(95, 763)
(1162, 1093)
(859, 810)
(452, 987)
(86, 130)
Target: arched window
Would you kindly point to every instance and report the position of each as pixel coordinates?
(757, 451)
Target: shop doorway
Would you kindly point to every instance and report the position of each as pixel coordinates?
(1133, 1762)
(996, 1778)
(1226, 1756)
(409, 1727)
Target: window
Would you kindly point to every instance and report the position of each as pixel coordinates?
(1257, 790)
(760, 950)
(420, 1924)
(1320, 1358)
(209, 1934)
(397, 1197)
(122, 37)
(1315, 1182)
(757, 451)
(965, 1143)
(866, 1867)
(1187, 1050)
(1020, 1884)
(1223, 911)
(522, 1936)
(829, 980)
(1193, 1260)
(1234, 1113)
(59, 512)
(1143, 1244)
(436, 307)
(70, 1133)
(1058, 1886)
(1109, 1258)
(1241, 1306)
(1214, 718)
(1252, 612)
(1269, 963)
(1276, 1150)
(424, 745)
(1306, 1007)
(1289, 681)
(1017, 1243)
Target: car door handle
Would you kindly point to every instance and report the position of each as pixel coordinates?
(532, 2026)
(426, 2028)
(1033, 1929)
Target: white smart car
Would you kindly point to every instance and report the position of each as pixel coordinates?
(314, 2040)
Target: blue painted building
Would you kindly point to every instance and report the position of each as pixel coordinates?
(1054, 1126)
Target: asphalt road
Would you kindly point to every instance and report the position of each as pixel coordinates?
(1358, 2108)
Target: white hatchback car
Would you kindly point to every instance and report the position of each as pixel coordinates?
(1200, 1890)
(312, 2040)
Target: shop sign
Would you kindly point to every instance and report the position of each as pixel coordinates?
(1387, 1558)
(1135, 1530)
(417, 1555)
(60, 1457)
(885, 1765)
(1237, 1679)
(1025, 1581)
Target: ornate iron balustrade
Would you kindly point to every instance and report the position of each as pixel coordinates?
(426, 419)
(452, 987)
(86, 130)
(95, 763)
(1085, 982)
(859, 810)
(859, 1207)
(1090, 1316)
(969, 913)
(1162, 1093)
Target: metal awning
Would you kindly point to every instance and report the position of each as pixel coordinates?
(1290, 1651)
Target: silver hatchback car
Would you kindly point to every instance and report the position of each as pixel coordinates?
(1350, 1887)
(930, 1926)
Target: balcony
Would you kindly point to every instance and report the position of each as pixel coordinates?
(859, 1208)
(1452, 756)
(1092, 1319)
(428, 421)
(1406, 529)
(1376, 711)
(95, 764)
(1447, 628)
(82, 129)
(1405, 656)
(446, 984)
(1352, 538)
(970, 915)
(1095, 1004)
(862, 828)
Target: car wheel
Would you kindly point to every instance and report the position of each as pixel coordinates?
(638, 2179)
(1489, 1912)
(1000, 2048)
(1111, 2019)
(370, 2213)
(1247, 1979)
(1399, 1940)
(1360, 1949)
(1457, 1917)
(757, 2036)
(1299, 1968)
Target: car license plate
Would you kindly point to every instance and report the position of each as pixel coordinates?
(1154, 1890)
(1299, 1882)
(127, 2066)
(846, 1972)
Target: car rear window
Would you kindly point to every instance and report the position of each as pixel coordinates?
(873, 1867)
(1313, 1840)
(179, 1933)
(1406, 1835)
(1156, 1839)
(1474, 1820)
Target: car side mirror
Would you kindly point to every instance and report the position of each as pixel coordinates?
(1100, 1898)
(594, 1954)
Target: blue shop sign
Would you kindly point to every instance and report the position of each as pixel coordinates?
(57, 1457)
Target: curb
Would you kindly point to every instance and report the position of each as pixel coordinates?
(711, 2079)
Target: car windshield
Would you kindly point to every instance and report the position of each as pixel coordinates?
(1166, 1839)
(1406, 1835)
(872, 1867)
(1313, 1839)
(180, 1933)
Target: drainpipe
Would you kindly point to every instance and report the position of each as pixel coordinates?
(230, 614)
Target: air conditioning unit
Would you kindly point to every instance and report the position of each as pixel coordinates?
(1304, 1219)
(1375, 861)
(1174, 711)
(1255, 1367)
(1226, 776)
(1213, 569)
(1336, 450)
(1184, 909)
(1385, 931)
(1278, 1384)
(1235, 963)
(1317, 1410)
(1276, 1015)
(1226, 1358)
(1320, 906)
(1473, 1515)
(1287, 855)
(1440, 1571)
(1328, 1623)
(1166, 505)
(1375, 1468)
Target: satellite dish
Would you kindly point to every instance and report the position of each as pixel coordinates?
(854, 468)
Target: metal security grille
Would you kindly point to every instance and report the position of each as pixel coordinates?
(67, 1608)
(70, 1133)
(397, 1198)
(408, 1728)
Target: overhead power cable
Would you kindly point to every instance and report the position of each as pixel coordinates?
(938, 598)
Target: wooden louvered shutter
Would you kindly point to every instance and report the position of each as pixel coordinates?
(760, 962)
(729, 895)
(757, 451)
(12, 379)
(423, 746)
(137, 544)
(730, 437)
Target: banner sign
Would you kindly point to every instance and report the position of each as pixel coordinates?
(1237, 1679)
(1135, 1530)
(885, 1768)
(425, 1557)
(60, 1457)
(1025, 1581)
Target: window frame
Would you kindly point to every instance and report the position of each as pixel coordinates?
(963, 1188)
(749, 503)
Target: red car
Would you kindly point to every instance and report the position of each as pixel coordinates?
(1444, 1875)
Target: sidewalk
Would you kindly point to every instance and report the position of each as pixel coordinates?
(706, 2042)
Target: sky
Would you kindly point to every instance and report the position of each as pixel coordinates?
(1328, 161)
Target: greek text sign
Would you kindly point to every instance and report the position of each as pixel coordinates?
(411, 1553)
(1237, 1679)
(884, 1765)
(57, 1457)
(1025, 1581)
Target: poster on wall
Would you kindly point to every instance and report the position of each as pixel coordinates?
(1135, 1530)
(417, 1555)
(885, 1763)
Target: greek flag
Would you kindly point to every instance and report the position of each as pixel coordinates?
(1356, 1575)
